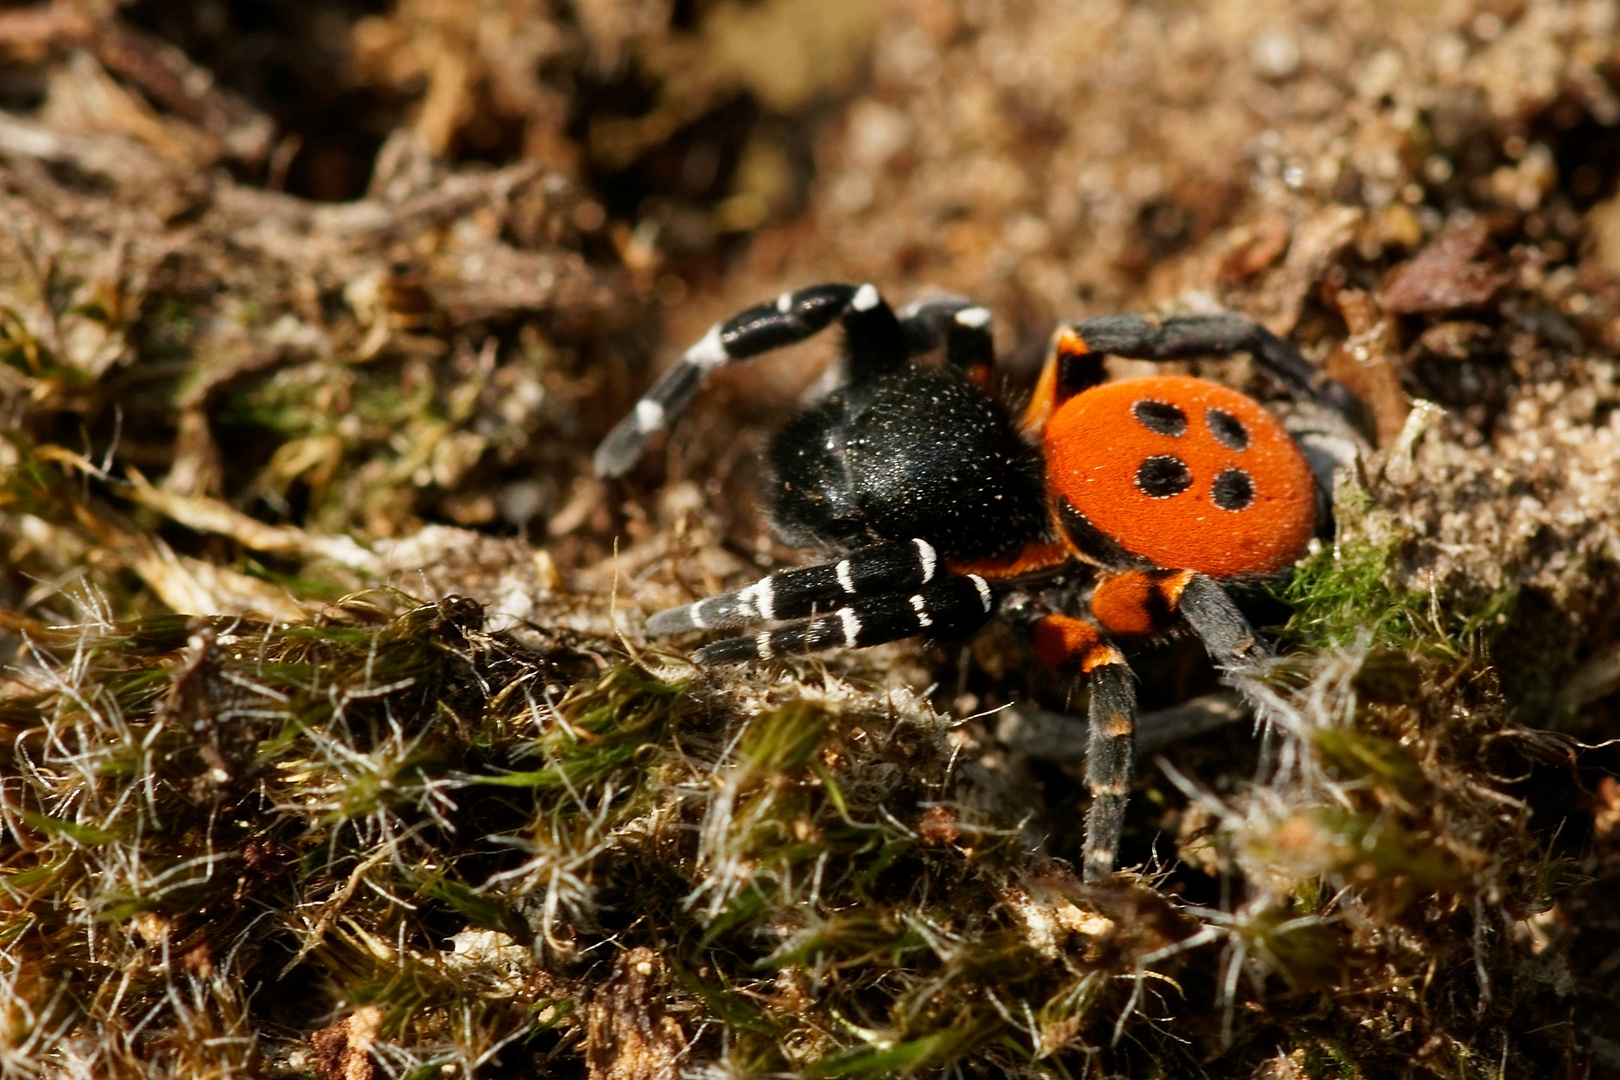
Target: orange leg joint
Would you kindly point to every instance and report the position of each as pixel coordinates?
(1070, 367)
(1066, 644)
(1138, 603)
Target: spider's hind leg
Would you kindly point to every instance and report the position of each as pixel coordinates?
(1134, 604)
(1227, 636)
(1074, 362)
(1226, 332)
(1110, 765)
(1140, 603)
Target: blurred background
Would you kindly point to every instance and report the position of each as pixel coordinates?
(302, 298)
(361, 268)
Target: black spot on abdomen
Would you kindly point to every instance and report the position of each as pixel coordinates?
(1162, 476)
(1227, 429)
(1160, 417)
(1232, 490)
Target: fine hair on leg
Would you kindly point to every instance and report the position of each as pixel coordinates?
(1231, 642)
(1110, 765)
(951, 605)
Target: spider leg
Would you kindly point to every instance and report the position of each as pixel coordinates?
(874, 343)
(1227, 332)
(1135, 603)
(1227, 636)
(948, 606)
(1140, 603)
(1110, 766)
(1071, 366)
(1064, 643)
(1234, 646)
(962, 325)
(1074, 362)
(804, 590)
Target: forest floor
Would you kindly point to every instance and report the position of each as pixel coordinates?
(330, 742)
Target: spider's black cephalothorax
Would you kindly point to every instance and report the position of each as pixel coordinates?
(937, 500)
(916, 452)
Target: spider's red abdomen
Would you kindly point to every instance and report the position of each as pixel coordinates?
(1184, 472)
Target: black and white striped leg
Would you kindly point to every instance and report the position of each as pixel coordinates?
(961, 326)
(949, 606)
(792, 594)
(1227, 636)
(1228, 332)
(1110, 765)
(874, 343)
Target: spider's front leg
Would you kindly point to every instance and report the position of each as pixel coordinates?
(950, 606)
(876, 343)
(880, 593)
(805, 590)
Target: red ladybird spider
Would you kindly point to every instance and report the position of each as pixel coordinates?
(943, 507)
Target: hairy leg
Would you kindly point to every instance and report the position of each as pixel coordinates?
(949, 606)
(804, 590)
(873, 339)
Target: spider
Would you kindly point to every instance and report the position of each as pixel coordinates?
(941, 505)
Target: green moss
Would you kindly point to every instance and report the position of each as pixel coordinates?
(1345, 594)
(1341, 595)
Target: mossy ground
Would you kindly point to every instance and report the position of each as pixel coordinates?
(329, 744)
(414, 839)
